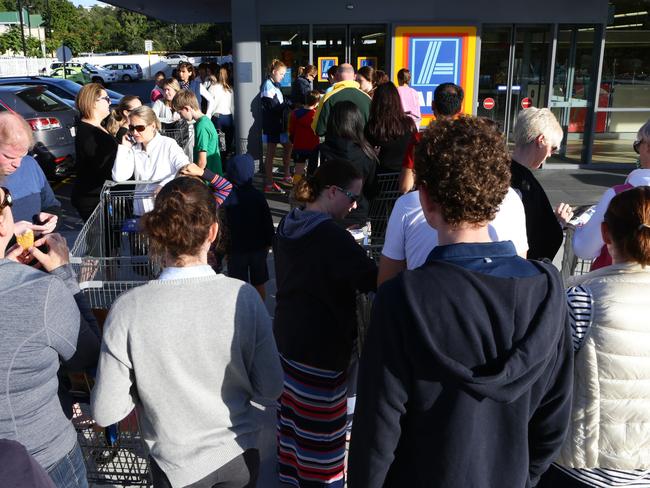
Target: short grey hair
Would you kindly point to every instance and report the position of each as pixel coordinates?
(533, 122)
(644, 132)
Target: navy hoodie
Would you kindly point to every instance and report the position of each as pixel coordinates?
(248, 217)
(465, 380)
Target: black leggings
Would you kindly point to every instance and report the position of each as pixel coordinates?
(240, 472)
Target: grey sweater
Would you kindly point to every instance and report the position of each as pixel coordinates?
(39, 321)
(190, 353)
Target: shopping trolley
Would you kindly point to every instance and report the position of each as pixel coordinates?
(381, 206)
(572, 265)
(110, 255)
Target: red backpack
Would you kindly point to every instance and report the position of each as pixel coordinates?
(604, 259)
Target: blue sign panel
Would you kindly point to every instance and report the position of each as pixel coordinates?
(434, 60)
(324, 64)
(286, 81)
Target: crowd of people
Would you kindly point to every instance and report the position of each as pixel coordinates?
(480, 366)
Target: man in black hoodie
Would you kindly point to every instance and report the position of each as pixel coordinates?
(466, 374)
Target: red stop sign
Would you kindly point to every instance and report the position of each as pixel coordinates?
(488, 103)
(526, 102)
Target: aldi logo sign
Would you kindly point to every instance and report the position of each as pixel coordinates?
(436, 55)
(435, 61)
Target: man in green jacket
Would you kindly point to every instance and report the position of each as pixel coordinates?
(345, 89)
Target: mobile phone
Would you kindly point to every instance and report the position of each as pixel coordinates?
(130, 138)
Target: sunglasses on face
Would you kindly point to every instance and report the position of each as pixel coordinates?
(636, 145)
(107, 99)
(7, 200)
(139, 128)
(352, 196)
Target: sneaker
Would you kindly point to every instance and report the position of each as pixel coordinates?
(273, 188)
(287, 181)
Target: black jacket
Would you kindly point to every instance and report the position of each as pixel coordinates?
(544, 231)
(465, 380)
(317, 275)
(334, 148)
(299, 88)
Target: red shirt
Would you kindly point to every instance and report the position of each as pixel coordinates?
(300, 132)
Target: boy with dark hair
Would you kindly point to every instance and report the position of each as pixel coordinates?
(447, 100)
(206, 139)
(302, 136)
(466, 373)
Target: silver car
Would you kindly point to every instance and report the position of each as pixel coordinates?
(52, 122)
(125, 71)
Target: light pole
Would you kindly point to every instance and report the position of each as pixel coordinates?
(22, 27)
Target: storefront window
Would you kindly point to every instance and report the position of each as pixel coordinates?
(289, 44)
(624, 97)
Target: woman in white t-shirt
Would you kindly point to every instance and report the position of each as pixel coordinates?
(224, 107)
(163, 107)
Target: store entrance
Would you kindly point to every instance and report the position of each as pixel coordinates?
(514, 71)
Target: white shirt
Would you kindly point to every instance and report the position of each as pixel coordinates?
(184, 272)
(163, 112)
(409, 237)
(223, 100)
(160, 162)
(587, 240)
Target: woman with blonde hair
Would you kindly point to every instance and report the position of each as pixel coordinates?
(303, 84)
(163, 107)
(95, 148)
(224, 107)
(274, 125)
(117, 122)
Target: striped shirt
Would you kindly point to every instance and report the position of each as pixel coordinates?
(580, 301)
(221, 187)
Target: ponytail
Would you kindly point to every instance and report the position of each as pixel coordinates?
(335, 172)
(628, 222)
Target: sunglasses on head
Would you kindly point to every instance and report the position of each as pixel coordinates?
(352, 196)
(139, 128)
(7, 199)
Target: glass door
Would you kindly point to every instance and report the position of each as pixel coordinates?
(514, 72)
(368, 46)
(329, 44)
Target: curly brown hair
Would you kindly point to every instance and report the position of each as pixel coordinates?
(180, 221)
(464, 167)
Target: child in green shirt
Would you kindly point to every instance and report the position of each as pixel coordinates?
(206, 139)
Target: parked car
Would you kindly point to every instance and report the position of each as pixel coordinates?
(51, 120)
(78, 75)
(174, 59)
(125, 71)
(64, 89)
(97, 74)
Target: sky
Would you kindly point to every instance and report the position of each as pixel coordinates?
(86, 3)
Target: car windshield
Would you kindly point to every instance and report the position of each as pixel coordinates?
(40, 100)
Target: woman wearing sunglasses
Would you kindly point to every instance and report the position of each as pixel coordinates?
(95, 148)
(147, 155)
(319, 267)
(588, 241)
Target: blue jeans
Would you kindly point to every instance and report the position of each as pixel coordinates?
(70, 470)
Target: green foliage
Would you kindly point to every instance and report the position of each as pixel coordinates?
(12, 41)
(104, 28)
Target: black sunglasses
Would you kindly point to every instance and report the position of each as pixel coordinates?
(7, 200)
(636, 145)
(352, 196)
(139, 128)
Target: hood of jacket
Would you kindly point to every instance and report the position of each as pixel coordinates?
(298, 223)
(241, 169)
(497, 337)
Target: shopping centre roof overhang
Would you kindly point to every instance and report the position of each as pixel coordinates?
(186, 12)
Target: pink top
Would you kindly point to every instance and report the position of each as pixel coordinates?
(410, 102)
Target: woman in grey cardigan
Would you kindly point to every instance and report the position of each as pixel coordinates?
(190, 350)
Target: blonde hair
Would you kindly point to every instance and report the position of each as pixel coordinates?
(185, 98)
(117, 118)
(275, 65)
(147, 115)
(15, 131)
(533, 122)
(173, 83)
(224, 78)
(86, 98)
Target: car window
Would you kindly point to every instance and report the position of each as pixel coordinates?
(60, 93)
(40, 101)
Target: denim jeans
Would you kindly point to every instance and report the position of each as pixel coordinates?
(70, 470)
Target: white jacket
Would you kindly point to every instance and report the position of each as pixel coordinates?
(610, 424)
(587, 241)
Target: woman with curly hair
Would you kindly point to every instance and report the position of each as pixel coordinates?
(190, 371)
(466, 372)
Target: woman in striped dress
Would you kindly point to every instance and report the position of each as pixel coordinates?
(319, 267)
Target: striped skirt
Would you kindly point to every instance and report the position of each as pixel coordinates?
(312, 418)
